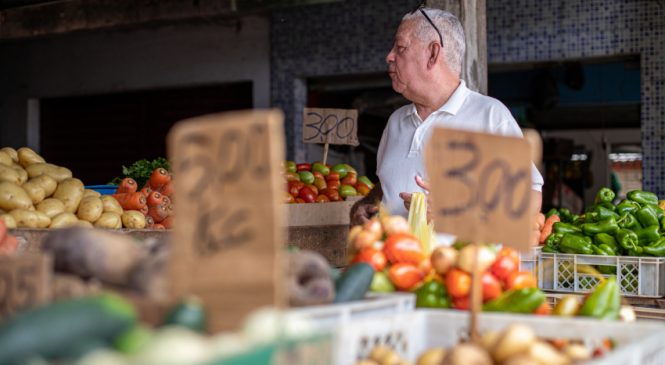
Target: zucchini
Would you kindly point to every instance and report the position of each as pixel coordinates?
(189, 314)
(354, 283)
(54, 331)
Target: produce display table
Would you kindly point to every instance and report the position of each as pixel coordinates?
(30, 238)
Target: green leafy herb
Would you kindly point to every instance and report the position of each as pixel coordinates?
(141, 170)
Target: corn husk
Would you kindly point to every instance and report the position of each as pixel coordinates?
(418, 222)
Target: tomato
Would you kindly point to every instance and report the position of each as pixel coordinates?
(462, 303)
(313, 188)
(503, 267)
(319, 167)
(303, 167)
(372, 256)
(290, 166)
(333, 176)
(544, 310)
(510, 253)
(322, 198)
(307, 195)
(362, 189)
(291, 176)
(347, 190)
(341, 169)
(350, 179)
(333, 184)
(405, 276)
(491, 287)
(333, 195)
(306, 177)
(318, 175)
(403, 247)
(288, 198)
(520, 280)
(294, 187)
(365, 180)
(458, 283)
(320, 183)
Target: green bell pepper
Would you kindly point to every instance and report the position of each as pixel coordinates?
(566, 215)
(656, 248)
(662, 223)
(432, 294)
(627, 239)
(525, 300)
(552, 242)
(561, 227)
(605, 195)
(627, 206)
(605, 239)
(647, 235)
(660, 213)
(647, 216)
(576, 244)
(604, 302)
(603, 250)
(551, 212)
(608, 225)
(599, 213)
(628, 221)
(643, 197)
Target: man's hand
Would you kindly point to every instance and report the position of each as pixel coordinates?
(407, 197)
(362, 211)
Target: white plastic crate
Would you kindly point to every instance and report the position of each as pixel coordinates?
(375, 305)
(637, 276)
(410, 334)
(529, 260)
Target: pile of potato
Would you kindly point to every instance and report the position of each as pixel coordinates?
(37, 194)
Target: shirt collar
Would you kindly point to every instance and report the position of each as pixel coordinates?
(454, 103)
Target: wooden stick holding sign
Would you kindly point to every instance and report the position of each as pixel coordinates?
(330, 126)
(227, 243)
(481, 192)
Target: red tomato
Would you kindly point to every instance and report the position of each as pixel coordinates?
(303, 167)
(503, 267)
(313, 188)
(403, 247)
(334, 184)
(288, 198)
(520, 280)
(510, 253)
(350, 179)
(372, 256)
(332, 176)
(291, 176)
(318, 174)
(362, 189)
(322, 199)
(332, 194)
(458, 283)
(307, 195)
(294, 187)
(405, 276)
(462, 303)
(491, 287)
(544, 310)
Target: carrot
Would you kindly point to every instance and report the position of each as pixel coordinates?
(159, 178)
(155, 198)
(158, 213)
(131, 201)
(547, 227)
(168, 222)
(127, 185)
(9, 245)
(158, 226)
(146, 191)
(167, 190)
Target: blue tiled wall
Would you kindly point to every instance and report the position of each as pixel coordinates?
(353, 37)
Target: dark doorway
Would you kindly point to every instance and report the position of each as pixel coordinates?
(95, 135)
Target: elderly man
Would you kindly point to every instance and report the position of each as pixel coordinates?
(425, 64)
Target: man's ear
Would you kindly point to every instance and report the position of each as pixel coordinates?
(434, 54)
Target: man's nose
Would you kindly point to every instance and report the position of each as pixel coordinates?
(390, 57)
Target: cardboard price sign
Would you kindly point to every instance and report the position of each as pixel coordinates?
(481, 186)
(333, 126)
(228, 235)
(24, 282)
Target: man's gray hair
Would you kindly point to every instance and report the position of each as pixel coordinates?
(451, 30)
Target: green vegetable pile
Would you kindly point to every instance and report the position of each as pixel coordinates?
(633, 227)
(141, 170)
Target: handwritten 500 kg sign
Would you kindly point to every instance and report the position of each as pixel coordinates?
(481, 186)
(334, 126)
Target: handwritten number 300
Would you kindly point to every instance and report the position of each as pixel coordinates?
(481, 192)
(338, 125)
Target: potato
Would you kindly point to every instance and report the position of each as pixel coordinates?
(22, 174)
(27, 157)
(11, 152)
(47, 183)
(43, 221)
(90, 209)
(13, 196)
(111, 205)
(63, 220)
(109, 220)
(84, 224)
(35, 192)
(56, 172)
(51, 207)
(5, 158)
(90, 192)
(27, 219)
(10, 222)
(7, 173)
(133, 219)
(70, 192)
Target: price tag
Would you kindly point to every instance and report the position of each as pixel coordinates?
(481, 186)
(24, 282)
(229, 232)
(333, 126)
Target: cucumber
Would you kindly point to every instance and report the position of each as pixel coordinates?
(189, 314)
(54, 331)
(354, 283)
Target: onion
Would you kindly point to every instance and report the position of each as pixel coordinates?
(395, 224)
(466, 256)
(443, 259)
(374, 226)
(364, 239)
(516, 339)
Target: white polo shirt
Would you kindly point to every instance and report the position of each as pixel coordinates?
(400, 156)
